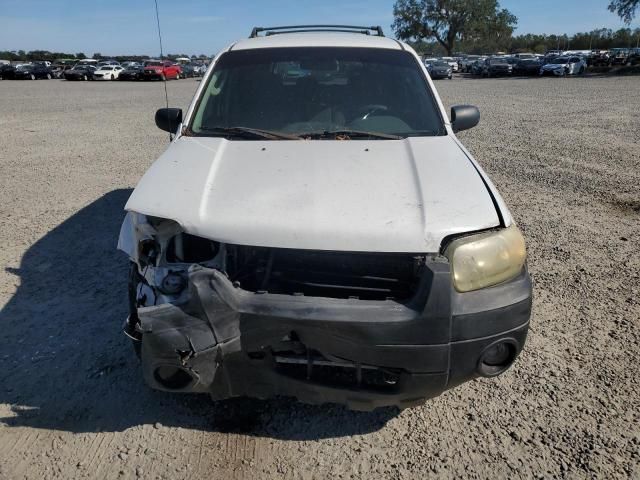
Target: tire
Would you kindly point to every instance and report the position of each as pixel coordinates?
(84, 77)
(48, 76)
(112, 77)
(581, 72)
(33, 77)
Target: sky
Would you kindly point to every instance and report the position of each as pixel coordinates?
(115, 27)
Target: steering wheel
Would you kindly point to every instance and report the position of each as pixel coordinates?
(372, 110)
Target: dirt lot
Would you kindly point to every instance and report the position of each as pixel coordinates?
(565, 153)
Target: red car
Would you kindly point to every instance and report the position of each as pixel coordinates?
(161, 70)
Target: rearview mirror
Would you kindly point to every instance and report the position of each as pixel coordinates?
(169, 119)
(464, 117)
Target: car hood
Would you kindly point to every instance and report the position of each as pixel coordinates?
(359, 195)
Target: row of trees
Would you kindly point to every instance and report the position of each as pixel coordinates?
(599, 39)
(21, 55)
(477, 26)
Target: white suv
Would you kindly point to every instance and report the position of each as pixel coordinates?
(315, 229)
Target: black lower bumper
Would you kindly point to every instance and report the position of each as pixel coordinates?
(365, 354)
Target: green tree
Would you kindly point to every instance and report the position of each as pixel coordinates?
(626, 9)
(80, 56)
(452, 21)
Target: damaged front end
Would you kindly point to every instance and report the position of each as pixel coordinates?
(360, 329)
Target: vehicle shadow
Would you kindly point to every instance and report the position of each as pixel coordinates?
(67, 366)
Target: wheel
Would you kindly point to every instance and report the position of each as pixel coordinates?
(48, 76)
(84, 77)
(112, 77)
(33, 77)
(581, 71)
(450, 77)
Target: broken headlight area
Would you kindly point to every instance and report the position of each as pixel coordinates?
(161, 255)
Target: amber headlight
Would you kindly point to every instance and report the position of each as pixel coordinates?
(486, 259)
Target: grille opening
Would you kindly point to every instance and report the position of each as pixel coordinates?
(314, 367)
(365, 276)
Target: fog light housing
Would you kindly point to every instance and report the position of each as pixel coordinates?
(498, 357)
(172, 377)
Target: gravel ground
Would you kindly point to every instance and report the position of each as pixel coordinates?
(565, 154)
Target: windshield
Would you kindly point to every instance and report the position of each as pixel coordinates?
(314, 90)
(440, 64)
(153, 64)
(559, 61)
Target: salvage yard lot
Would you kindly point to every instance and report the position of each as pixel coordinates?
(565, 154)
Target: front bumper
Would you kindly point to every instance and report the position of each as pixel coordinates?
(438, 75)
(364, 354)
(151, 75)
(558, 72)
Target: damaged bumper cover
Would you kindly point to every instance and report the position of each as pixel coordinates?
(365, 354)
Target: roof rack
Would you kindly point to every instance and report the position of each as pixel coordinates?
(268, 31)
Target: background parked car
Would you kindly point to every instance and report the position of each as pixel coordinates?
(527, 66)
(133, 72)
(200, 69)
(6, 72)
(107, 72)
(58, 70)
(32, 72)
(452, 62)
(477, 66)
(561, 66)
(188, 71)
(80, 72)
(619, 56)
(466, 62)
(494, 67)
(428, 61)
(440, 69)
(161, 70)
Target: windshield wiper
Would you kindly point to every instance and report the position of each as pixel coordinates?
(246, 132)
(348, 135)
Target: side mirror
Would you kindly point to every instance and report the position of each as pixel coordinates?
(464, 117)
(169, 119)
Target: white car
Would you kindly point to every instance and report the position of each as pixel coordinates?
(315, 229)
(107, 72)
(451, 61)
(561, 66)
